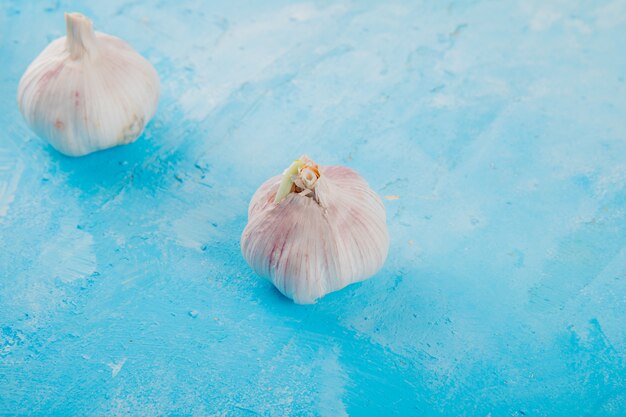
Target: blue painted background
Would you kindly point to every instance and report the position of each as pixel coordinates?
(497, 131)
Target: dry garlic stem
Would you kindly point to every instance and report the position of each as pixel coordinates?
(314, 230)
(88, 91)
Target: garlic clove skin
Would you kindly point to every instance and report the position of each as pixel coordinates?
(319, 239)
(88, 91)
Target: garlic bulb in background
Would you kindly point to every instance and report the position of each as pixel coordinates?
(314, 230)
(88, 91)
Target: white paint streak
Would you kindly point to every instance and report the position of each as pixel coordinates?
(70, 253)
(543, 19)
(116, 367)
(441, 101)
(611, 15)
(266, 37)
(11, 168)
(197, 226)
(334, 386)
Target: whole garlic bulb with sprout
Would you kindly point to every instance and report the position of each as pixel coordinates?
(314, 230)
(88, 91)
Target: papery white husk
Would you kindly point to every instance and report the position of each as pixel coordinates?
(310, 245)
(88, 91)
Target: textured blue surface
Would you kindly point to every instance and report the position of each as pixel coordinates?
(496, 129)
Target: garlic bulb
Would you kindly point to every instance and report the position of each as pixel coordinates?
(315, 230)
(88, 91)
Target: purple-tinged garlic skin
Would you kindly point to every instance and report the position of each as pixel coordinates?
(316, 241)
(88, 91)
